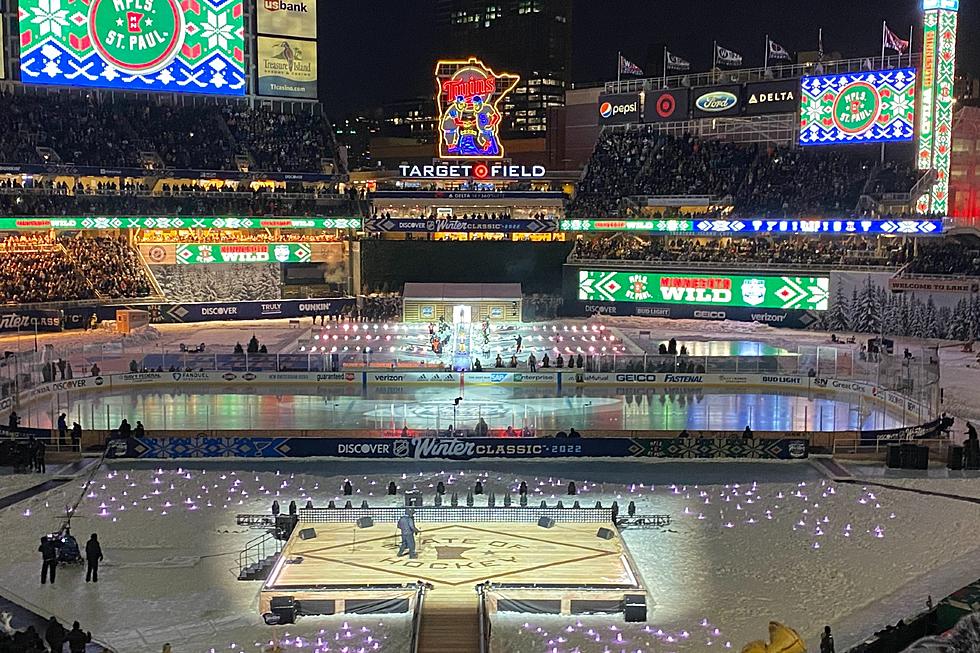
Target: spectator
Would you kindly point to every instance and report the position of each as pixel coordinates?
(55, 635)
(77, 639)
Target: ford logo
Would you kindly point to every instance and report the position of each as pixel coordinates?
(716, 101)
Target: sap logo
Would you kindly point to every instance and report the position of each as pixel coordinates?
(499, 377)
(710, 315)
(767, 317)
(782, 380)
(683, 378)
(219, 310)
(609, 110)
(636, 378)
(716, 101)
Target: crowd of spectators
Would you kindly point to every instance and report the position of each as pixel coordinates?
(380, 307)
(755, 178)
(788, 251)
(97, 130)
(948, 256)
(34, 269)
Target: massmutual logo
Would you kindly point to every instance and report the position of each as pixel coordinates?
(716, 101)
(136, 36)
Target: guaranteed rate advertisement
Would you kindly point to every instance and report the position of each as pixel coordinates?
(866, 107)
(708, 290)
(194, 46)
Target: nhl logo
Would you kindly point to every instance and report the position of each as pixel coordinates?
(400, 449)
(753, 291)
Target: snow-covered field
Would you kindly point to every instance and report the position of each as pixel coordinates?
(749, 543)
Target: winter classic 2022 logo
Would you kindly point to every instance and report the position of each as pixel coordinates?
(137, 36)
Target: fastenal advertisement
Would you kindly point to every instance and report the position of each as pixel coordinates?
(286, 67)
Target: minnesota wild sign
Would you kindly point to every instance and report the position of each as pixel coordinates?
(189, 46)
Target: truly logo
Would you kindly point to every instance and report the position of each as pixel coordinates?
(137, 36)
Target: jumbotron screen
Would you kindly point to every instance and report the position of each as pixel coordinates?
(865, 107)
(710, 290)
(139, 45)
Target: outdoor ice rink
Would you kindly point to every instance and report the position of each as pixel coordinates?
(431, 408)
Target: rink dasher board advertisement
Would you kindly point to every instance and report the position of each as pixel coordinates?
(457, 449)
(790, 319)
(76, 318)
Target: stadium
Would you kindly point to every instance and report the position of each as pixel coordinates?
(665, 363)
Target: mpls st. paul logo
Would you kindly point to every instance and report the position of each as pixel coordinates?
(137, 36)
(468, 97)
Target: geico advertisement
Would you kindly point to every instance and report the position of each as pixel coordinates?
(285, 18)
(286, 67)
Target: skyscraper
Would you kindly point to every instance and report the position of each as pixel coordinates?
(529, 37)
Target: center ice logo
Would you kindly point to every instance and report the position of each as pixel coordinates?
(753, 291)
(856, 107)
(136, 36)
(637, 289)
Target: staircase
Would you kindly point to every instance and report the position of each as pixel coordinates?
(259, 557)
(450, 621)
(462, 346)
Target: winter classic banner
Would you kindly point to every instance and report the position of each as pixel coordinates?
(866, 107)
(187, 46)
(718, 290)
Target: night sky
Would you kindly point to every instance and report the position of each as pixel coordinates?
(373, 52)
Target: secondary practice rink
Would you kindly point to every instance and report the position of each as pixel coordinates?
(393, 407)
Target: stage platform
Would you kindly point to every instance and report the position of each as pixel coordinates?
(566, 568)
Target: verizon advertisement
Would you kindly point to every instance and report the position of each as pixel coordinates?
(619, 109)
(667, 105)
(772, 97)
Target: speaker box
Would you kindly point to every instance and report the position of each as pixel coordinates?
(365, 522)
(546, 522)
(307, 534)
(605, 534)
(284, 607)
(413, 499)
(635, 607)
(893, 459)
(955, 458)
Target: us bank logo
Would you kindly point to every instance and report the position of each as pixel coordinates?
(137, 36)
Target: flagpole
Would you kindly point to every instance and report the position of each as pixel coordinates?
(820, 43)
(714, 59)
(619, 70)
(911, 32)
(765, 65)
(665, 67)
(883, 28)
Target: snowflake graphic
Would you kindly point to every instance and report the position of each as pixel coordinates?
(50, 17)
(217, 30)
(815, 110)
(901, 104)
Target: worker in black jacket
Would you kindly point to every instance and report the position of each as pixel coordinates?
(55, 635)
(49, 557)
(77, 638)
(93, 555)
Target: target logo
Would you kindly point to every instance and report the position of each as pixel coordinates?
(666, 105)
(481, 171)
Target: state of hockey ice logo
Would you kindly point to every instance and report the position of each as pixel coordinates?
(753, 291)
(637, 290)
(281, 252)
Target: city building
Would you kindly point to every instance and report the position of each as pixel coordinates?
(531, 38)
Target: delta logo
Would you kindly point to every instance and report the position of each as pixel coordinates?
(282, 5)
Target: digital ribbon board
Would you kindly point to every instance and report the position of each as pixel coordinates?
(706, 227)
(174, 222)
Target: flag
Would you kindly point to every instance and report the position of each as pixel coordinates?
(820, 45)
(727, 57)
(676, 63)
(892, 41)
(777, 51)
(627, 67)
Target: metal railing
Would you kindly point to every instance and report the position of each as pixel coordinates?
(484, 616)
(417, 614)
(729, 265)
(441, 514)
(255, 550)
(938, 447)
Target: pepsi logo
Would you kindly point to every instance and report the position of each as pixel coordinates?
(605, 109)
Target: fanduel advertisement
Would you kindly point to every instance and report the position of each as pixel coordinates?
(666, 105)
(716, 101)
(136, 45)
(619, 109)
(286, 18)
(772, 97)
(806, 293)
(864, 107)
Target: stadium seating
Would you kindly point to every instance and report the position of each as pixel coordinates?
(95, 131)
(754, 178)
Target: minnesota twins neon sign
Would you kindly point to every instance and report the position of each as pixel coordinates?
(468, 97)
